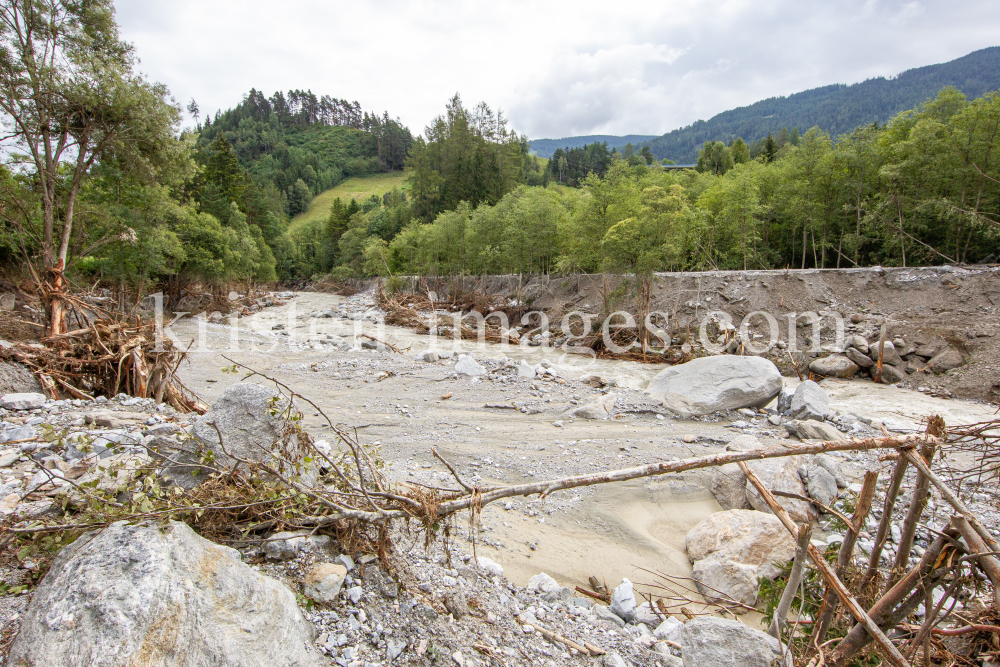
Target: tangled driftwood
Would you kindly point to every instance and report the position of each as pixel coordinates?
(107, 357)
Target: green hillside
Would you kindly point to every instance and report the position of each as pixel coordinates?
(358, 187)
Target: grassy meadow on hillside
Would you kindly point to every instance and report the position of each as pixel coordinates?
(357, 187)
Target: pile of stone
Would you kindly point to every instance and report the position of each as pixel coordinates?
(49, 449)
(900, 359)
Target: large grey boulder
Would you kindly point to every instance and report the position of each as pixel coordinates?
(709, 384)
(29, 401)
(945, 360)
(731, 550)
(810, 429)
(861, 359)
(708, 641)
(781, 474)
(836, 365)
(249, 417)
(809, 402)
(150, 595)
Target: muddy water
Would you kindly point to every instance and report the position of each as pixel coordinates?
(611, 531)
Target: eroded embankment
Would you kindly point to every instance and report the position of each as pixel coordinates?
(958, 305)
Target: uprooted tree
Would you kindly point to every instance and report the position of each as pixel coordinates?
(69, 97)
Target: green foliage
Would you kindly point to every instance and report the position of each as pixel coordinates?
(572, 165)
(468, 156)
(715, 158)
(518, 235)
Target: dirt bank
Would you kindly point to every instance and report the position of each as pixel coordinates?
(959, 305)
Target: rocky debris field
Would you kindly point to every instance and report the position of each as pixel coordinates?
(436, 606)
(485, 596)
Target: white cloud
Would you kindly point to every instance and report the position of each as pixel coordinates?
(558, 68)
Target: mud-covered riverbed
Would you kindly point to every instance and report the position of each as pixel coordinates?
(499, 429)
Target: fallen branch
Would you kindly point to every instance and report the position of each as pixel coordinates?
(833, 581)
(551, 636)
(955, 632)
(488, 495)
(977, 546)
(854, 527)
(885, 523)
(382, 342)
(792, 587)
(952, 499)
(597, 596)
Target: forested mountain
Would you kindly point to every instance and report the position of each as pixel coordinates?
(837, 109)
(298, 145)
(547, 147)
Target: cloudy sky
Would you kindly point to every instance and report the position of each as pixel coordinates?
(557, 68)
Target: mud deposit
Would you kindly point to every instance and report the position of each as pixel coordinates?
(499, 429)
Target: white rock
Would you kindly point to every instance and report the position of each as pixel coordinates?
(543, 583)
(9, 503)
(490, 566)
(160, 595)
(667, 629)
(709, 384)
(323, 583)
(623, 601)
(525, 370)
(22, 401)
(602, 408)
(428, 356)
(468, 366)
